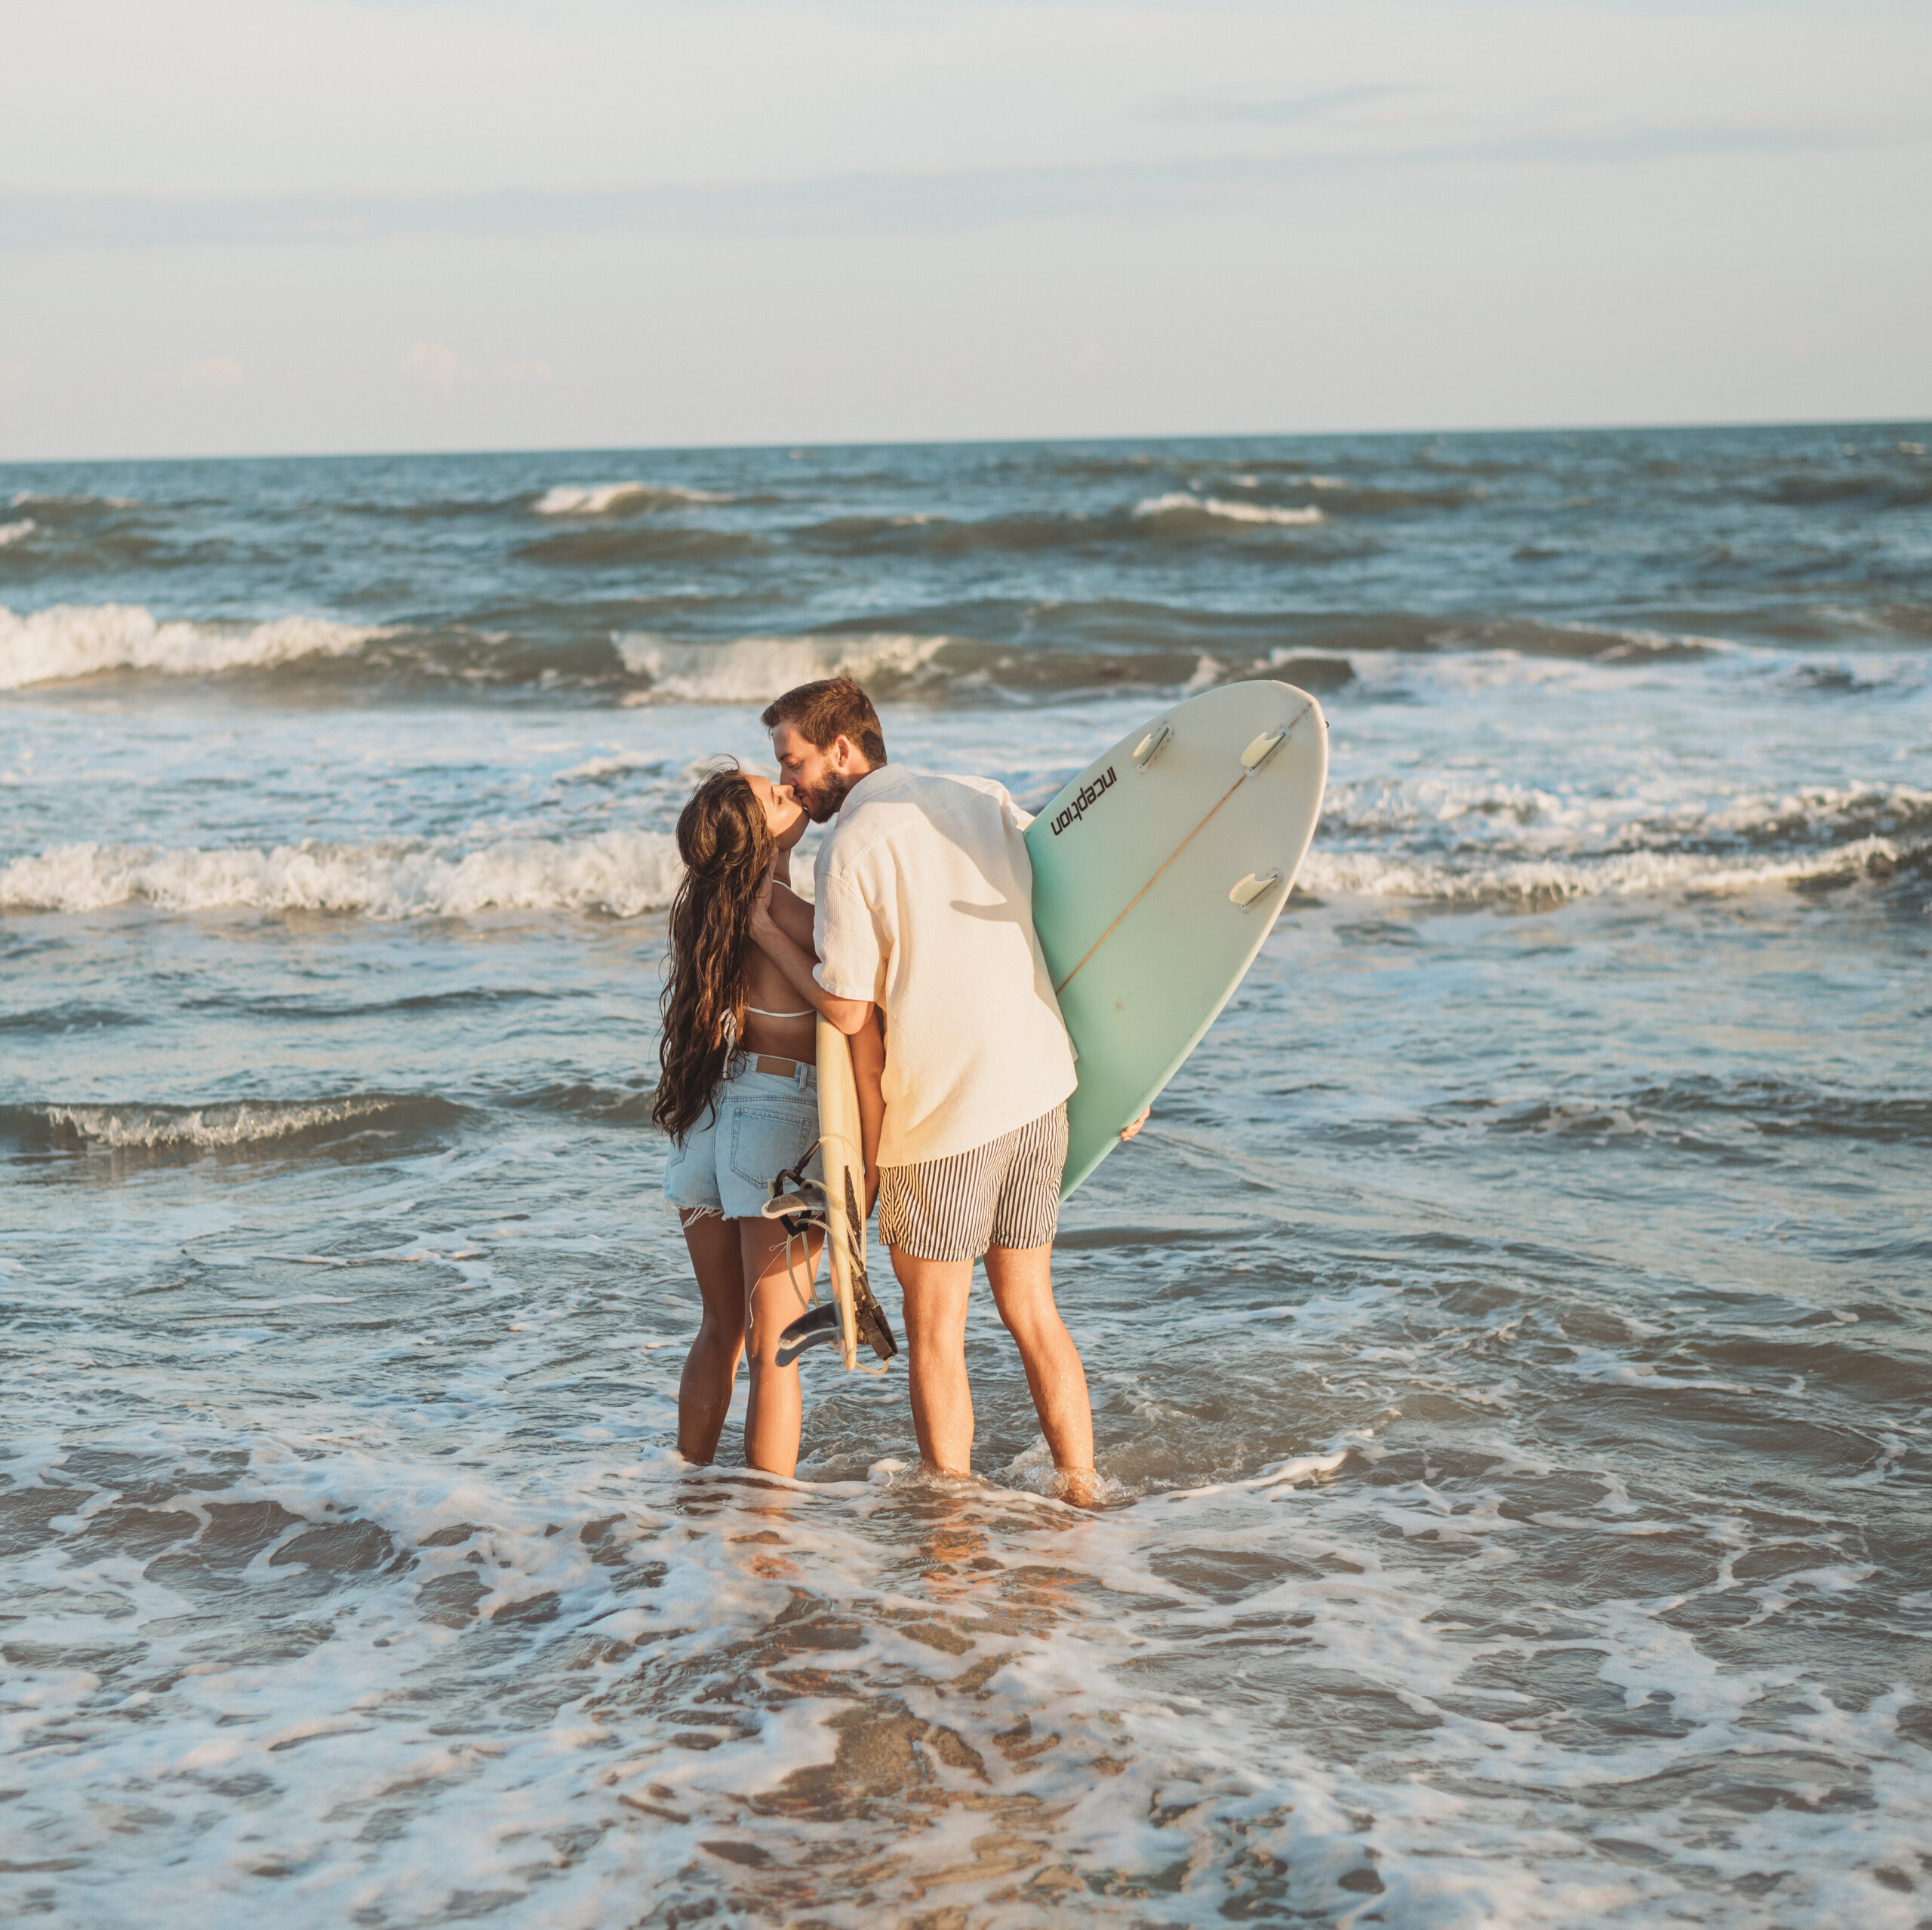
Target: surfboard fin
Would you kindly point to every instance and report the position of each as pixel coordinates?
(1263, 748)
(820, 1327)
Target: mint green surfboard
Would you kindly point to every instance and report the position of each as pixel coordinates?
(1157, 873)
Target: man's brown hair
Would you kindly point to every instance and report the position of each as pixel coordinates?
(822, 712)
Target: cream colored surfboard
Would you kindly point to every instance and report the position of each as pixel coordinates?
(1157, 872)
(842, 1152)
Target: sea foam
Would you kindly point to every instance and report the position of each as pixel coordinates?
(620, 872)
(17, 532)
(70, 641)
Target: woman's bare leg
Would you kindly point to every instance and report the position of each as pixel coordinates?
(710, 1368)
(776, 1296)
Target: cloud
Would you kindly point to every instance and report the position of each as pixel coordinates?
(211, 372)
(933, 201)
(437, 372)
(930, 202)
(1642, 144)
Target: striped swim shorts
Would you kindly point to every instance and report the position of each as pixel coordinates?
(1003, 1194)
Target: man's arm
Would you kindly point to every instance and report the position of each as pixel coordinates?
(868, 1075)
(795, 961)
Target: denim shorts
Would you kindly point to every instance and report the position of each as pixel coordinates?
(758, 1124)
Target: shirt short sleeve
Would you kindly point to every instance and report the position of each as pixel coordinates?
(1020, 819)
(850, 960)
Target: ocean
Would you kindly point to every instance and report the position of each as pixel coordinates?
(1509, 1340)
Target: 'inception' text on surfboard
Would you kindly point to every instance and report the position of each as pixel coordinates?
(1086, 794)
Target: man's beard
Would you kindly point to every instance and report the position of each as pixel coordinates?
(822, 800)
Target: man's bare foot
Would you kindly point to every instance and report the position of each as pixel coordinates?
(1080, 1485)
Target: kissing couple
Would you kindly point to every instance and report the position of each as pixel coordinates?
(918, 945)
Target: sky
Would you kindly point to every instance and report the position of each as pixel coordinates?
(264, 227)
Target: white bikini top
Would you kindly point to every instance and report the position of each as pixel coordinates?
(760, 1012)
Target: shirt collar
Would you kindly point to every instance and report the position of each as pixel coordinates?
(885, 777)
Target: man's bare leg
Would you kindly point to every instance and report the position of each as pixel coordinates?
(710, 1368)
(935, 1294)
(1023, 1284)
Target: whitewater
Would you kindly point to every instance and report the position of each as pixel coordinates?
(1509, 1339)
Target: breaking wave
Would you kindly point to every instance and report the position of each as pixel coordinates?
(71, 640)
(169, 1128)
(17, 532)
(970, 648)
(1489, 814)
(756, 669)
(621, 873)
(1341, 499)
(1514, 846)
(1527, 637)
(1540, 883)
(1179, 505)
(1176, 517)
(619, 498)
(53, 507)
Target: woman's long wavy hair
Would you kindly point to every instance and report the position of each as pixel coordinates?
(727, 847)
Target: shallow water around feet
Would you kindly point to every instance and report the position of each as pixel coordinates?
(1511, 1342)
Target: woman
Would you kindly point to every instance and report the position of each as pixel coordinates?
(738, 1092)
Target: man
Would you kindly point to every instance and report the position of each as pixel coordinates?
(924, 907)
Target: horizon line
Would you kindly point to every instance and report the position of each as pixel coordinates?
(1630, 428)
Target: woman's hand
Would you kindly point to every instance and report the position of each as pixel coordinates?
(1128, 1131)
